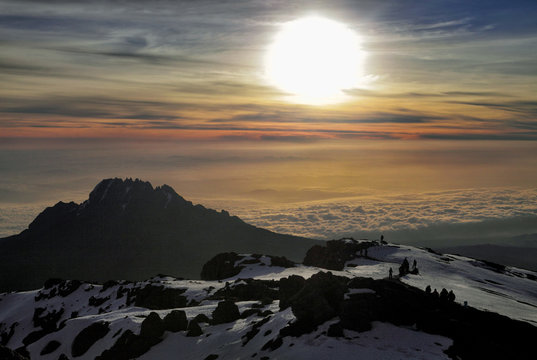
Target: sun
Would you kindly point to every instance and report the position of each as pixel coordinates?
(314, 59)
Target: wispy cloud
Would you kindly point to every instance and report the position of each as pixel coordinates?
(198, 66)
(445, 94)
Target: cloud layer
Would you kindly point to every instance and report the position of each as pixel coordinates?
(370, 216)
(450, 218)
(422, 191)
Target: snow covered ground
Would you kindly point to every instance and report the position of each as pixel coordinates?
(512, 292)
(507, 291)
(384, 341)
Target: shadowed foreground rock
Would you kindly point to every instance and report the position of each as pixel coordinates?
(88, 336)
(194, 329)
(335, 253)
(221, 266)
(226, 311)
(158, 297)
(8, 354)
(130, 346)
(175, 321)
(476, 334)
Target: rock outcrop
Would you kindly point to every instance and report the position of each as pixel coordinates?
(225, 312)
(335, 253)
(87, 337)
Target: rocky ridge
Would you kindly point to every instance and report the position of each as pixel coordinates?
(262, 306)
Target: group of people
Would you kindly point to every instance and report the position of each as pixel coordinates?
(405, 268)
(443, 296)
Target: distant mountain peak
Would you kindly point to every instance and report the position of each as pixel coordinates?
(116, 191)
(129, 229)
(113, 197)
(117, 187)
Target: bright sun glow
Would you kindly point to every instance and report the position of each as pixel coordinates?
(315, 59)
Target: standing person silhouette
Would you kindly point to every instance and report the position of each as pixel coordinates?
(382, 242)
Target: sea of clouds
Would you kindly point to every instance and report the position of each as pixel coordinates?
(412, 192)
(458, 217)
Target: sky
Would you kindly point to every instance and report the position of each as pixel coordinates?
(194, 69)
(442, 128)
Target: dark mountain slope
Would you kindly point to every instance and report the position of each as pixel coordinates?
(129, 230)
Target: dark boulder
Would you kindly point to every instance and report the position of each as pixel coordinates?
(97, 301)
(289, 287)
(87, 337)
(222, 266)
(23, 351)
(152, 327)
(68, 287)
(50, 283)
(47, 320)
(130, 346)
(202, 318)
(319, 256)
(319, 300)
(226, 311)
(109, 284)
(34, 336)
(358, 313)
(52, 346)
(194, 329)
(281, 261)
(249, 289)
(336, 252)
(175, 321)
(54, 287)
(158, 297)
(8, 354)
